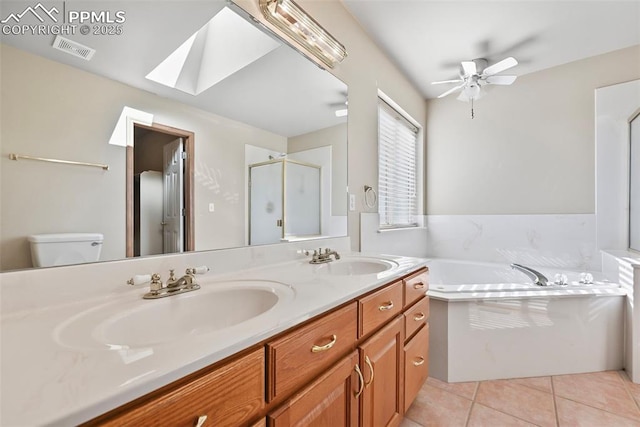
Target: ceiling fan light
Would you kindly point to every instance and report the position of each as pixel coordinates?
(472, 91)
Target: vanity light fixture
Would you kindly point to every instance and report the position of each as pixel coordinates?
(296, 23)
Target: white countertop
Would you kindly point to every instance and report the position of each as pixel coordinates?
(48, 381)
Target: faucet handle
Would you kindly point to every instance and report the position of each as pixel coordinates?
(156, 283)
(197, 270)
(139, 279)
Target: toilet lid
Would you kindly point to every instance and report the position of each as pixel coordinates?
(66, 237)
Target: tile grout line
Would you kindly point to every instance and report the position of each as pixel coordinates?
(501, 411)
(555, 403)
(473, 402)
(627, 388)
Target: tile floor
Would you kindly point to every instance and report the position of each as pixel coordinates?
(601, 399)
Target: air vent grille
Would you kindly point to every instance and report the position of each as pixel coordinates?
(73, 48)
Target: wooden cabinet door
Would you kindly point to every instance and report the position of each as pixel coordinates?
(416, 363)
(331, 400)
(382, 362)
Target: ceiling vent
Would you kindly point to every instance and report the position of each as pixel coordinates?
(73, 48)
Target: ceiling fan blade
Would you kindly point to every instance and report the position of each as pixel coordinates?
(500, 80)
(447, 81)
(469, 68)
(453, 89)
(496, 68)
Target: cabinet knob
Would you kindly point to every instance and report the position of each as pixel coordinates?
(201, 420)
(419, 361)
(319, 348)
(418, 317)
(387, 306)
(361, 378)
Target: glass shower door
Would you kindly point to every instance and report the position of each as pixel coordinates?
(302, 200)
(265, 221)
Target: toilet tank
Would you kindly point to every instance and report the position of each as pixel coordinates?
(49, 250)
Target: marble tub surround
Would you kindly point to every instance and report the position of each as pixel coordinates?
(491, 322)
(624, 267)
(46, 380)
(563, 241)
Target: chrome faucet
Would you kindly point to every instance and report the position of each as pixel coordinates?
(174, 286)
(537, 277)
(319, 257)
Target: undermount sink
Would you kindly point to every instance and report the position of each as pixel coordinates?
(356, 266)
(144, 323)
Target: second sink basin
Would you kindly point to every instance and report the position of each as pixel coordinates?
(144, 323)
(356, 266)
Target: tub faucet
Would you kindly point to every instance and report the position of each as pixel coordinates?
(537, 277)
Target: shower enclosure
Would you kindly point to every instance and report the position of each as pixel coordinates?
(284, 201)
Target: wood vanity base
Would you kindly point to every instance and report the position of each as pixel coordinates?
(360, 364)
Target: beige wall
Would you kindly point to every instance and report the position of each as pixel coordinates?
(531, 147)
(365, 70)
(53, 110)
(336, 137)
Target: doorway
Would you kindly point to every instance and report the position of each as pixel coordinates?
(159, 201)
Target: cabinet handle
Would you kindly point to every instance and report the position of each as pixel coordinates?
(359, 372)
(387, 306)
(419, 361)
(368, 362)
(418, 317)
(319, 348)
(418, 285)
(201, 420)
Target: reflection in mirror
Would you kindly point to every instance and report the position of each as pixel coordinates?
(276, 109)
(634, 182)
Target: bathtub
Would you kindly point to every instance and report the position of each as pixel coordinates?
(488, 321)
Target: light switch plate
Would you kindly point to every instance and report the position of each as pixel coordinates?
(211, 207)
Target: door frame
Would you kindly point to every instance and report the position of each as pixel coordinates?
(189, 199)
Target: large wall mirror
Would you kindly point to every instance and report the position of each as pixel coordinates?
(216, 133)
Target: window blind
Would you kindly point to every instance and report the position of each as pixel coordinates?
(397, 148)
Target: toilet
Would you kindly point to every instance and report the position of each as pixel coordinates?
(48, 250)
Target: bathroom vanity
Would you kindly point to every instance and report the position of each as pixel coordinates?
(343, 345)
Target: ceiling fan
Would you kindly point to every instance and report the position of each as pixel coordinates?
(475, 74)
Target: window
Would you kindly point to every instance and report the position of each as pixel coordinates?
(397, 168)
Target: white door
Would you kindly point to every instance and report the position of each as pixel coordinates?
(173, 204)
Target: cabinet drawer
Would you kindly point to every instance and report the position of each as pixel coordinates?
(301, 355)
(416, 365)
(416, 286)
(416, 316)
(379, 307)
(231, 395)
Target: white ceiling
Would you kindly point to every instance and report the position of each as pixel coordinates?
(427, 39)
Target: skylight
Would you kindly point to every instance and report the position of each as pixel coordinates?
(224, 45)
